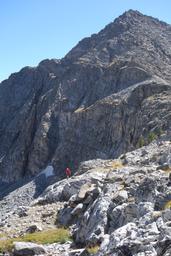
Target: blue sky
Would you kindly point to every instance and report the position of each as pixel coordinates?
(33, 30)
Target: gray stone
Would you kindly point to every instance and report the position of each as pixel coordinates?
(145, 207)
(29, 249)
(93, 223)
(146, 190)
(86, 188)
(122, 214)
(78, 209)
(166, 215)
(65, 217)
(22, 211)
(33, 228)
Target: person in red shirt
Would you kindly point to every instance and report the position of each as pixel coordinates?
(68, 172)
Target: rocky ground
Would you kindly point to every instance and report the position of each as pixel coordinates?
(19, 221)
(122, 205)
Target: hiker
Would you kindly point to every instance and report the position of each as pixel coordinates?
(68, 172)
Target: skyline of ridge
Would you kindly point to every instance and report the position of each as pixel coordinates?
(15, 56)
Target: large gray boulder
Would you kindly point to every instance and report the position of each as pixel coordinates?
(29, 249)
(92, 225)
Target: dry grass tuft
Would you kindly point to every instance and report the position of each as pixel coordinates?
(59, 235)
(166, 169)
(167, 205)
(93, 250)
(117, 164)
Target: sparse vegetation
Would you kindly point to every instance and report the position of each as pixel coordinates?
(167, 205)
(143, 141)
(166, 169)
(93, 250)
(59, 235)
(6, 245)
(117, 164)
(151, 136)
(2, 235)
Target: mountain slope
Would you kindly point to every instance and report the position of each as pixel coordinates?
(109, 91)
(116, 206)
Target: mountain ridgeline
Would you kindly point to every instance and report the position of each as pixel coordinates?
(111, 90)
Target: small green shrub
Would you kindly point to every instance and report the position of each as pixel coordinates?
(6, 245)
(93, 250)
(141, 142)
(151, 136)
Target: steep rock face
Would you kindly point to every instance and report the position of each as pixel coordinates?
(108, 91)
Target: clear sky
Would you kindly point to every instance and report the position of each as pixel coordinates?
(33, 30)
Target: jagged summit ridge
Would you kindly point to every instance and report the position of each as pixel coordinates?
(131, 36)
(138, 16)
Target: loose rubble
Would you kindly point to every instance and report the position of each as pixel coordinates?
(123, 208)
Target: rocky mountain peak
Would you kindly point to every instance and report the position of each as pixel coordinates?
(94, 103)
(104, 111)
(132, 18)
(135, 15)
(130, 35)
(130, 15)
(131, 12)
